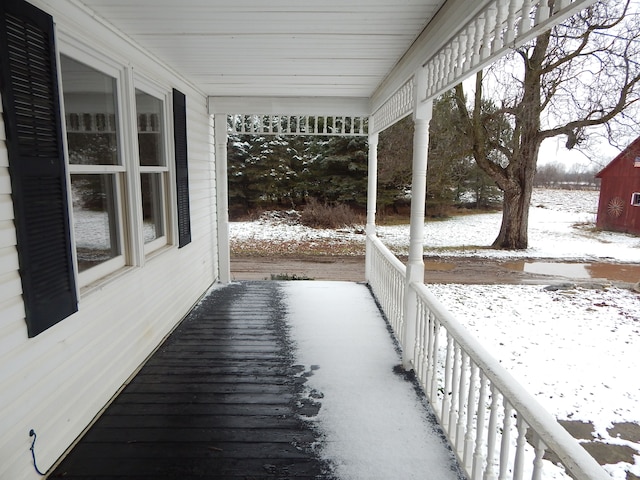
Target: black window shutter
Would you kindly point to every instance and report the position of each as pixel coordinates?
(29, 86)
(182, 170)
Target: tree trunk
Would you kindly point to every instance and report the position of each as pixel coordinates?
(515, 219)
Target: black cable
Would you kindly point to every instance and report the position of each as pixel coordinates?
(32, 433)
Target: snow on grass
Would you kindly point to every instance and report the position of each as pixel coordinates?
(373, 423)
(575, 351)
(561, 226)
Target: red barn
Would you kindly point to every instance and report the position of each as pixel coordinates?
(619, 205)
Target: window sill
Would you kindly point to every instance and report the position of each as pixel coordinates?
(100, 283)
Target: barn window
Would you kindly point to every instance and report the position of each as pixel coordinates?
(636, 162)
(635, 199)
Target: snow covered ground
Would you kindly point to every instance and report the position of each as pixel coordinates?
(575, 350)
(562, 226)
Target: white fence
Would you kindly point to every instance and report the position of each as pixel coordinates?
(495, 427)
(387, 279)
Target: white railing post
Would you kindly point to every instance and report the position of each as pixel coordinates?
(372, 194)
(415, 266)
(222, 197)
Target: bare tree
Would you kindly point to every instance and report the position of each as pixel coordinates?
(582, 74)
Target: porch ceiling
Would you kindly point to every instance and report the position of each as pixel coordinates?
(276, 48)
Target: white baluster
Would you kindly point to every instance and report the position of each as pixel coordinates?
(447, 58)
(438, 71)
(478, 457)
(462, 411)
(446, 399)
(543, 11)
(471, 403)
(521, 441)
(453, 414)
(477, 39)
(511, 22)
(500, 18)
(469, 50)
(429, 368)
(525, 19)
(490, 472)
(461, 41)
(434, 361)
(489, 16)
(537, 461)
(505, 444)
(418, 353)
(453, 60)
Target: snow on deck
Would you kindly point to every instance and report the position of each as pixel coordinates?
(373, 423)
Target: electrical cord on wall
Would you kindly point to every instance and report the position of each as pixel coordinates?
(32, 433)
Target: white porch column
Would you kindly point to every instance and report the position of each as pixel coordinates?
(222, 197)
(372, 195)
(415, 265)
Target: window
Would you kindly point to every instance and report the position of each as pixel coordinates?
(153, 168)
(96, 168)
(635, 199)
(117, 197)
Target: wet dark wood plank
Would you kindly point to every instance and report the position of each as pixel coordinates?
(219, 400)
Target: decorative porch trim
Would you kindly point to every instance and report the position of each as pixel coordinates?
(298, 125)
(500, 26)
(489, 31)
(397, 107)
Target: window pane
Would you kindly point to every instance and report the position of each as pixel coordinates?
(152, 201)
(94, 219)
(90, 114)
(150, 135)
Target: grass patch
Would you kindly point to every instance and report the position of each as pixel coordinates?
(289, 277)
(322, 215)
(266, 248)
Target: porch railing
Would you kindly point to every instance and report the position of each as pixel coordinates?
(495, 427)
(387, 279)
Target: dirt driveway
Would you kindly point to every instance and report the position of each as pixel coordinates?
(437, 270)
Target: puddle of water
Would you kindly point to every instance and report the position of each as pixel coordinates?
(621, 273)
(438, 266)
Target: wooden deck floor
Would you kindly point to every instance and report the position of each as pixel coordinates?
(218, 400)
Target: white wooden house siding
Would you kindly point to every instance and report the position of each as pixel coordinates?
(56, 382)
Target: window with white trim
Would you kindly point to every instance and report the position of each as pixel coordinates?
(635, 199)
(152, 157)
(96, 167)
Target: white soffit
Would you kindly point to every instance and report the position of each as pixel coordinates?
(274, 48)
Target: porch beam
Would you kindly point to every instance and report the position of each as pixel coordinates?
(322, 106)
